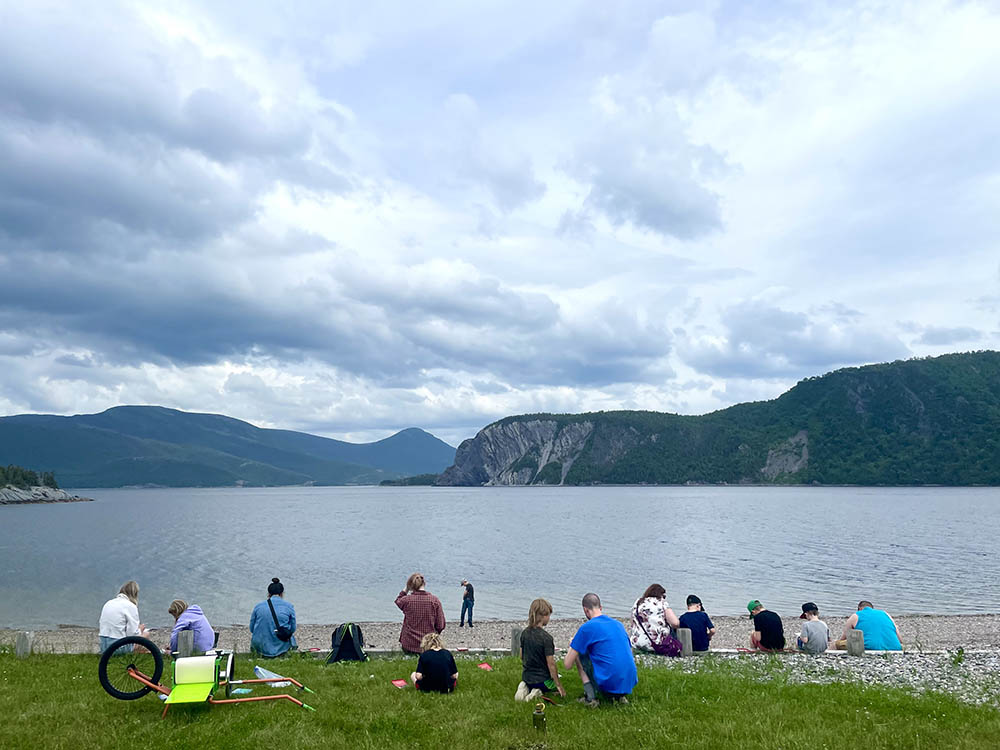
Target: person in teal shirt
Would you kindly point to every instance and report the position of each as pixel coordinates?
(881, 633)
(263, 638)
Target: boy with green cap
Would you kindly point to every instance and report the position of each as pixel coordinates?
(768, 633)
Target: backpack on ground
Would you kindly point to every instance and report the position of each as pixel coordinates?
(348, 644)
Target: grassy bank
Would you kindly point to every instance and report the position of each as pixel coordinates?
(56, 702)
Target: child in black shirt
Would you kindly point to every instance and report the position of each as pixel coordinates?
(539, 674)
(436, 669)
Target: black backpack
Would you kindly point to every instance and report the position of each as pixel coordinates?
(348, 644)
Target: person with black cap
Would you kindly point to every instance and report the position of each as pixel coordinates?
(815, 635)
(468, 602)
(768, 633)
(698, 622)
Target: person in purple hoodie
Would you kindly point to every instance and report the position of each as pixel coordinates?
(191, 618)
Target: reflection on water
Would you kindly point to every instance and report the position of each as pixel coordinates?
(344, 552)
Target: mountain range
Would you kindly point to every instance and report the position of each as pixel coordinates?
(920, 421)
(153, 445)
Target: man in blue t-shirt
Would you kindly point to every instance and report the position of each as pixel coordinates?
(602, 654)
(881, 632)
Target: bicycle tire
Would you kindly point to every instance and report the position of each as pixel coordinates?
(113, 669)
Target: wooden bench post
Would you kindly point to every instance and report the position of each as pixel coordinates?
(856, 642)
(22, 646)
(185, 643)
(515, 641)
(684, 636)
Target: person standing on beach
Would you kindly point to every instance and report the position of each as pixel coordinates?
(768, 633)
(881, 632)
(272, 623)
(602, 654)
(468, 602)
(120, 617)
(422, 614)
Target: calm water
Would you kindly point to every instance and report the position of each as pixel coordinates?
(345, 552)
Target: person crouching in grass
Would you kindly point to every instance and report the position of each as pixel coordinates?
(436, 669)
(539, 674)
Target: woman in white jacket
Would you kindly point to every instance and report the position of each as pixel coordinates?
(120, 616)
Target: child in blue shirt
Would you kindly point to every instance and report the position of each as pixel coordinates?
(698, 622)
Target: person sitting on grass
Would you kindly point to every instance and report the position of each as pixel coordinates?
(270, 619)
(815, 635)
(602, 654)
(768, 633)
(120, 617)
(698, 622)
(538, 674)
(653, 621)
(880, 630)
(436, 668)
(191, 618)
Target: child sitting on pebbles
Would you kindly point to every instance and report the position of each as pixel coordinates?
(436, 668)
(815, 635)
(698, 622)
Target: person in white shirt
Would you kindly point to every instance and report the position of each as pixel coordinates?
(120, 617)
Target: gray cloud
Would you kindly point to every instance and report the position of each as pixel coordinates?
(642, 170)
(938, 336)
(764, 341)
(356, 220)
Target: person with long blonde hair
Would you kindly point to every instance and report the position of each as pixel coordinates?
(120, 616)
(190, 617)
(539, 674)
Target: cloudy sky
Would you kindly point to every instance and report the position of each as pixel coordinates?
(351, 218)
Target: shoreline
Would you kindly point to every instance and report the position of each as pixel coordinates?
(921, 633)
(10, 495)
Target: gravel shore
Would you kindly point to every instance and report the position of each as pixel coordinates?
(921, 633)
(957, 655)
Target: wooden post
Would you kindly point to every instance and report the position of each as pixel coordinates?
(23, 644)
(185, 643)
(684, 636)
(515, 641)
(856, 642)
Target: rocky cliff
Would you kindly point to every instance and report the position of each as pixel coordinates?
(921, 421)
(11, 495)
(589, 448)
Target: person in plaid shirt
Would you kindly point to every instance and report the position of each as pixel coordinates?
(422, 614)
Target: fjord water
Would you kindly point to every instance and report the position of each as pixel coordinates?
(344, 552)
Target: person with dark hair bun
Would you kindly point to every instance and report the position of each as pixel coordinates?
(272, 623)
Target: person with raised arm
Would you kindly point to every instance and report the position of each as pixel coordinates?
(422, 614)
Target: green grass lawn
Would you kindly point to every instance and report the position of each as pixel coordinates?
(55, 701)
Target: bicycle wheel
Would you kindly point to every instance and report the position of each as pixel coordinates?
(135, 653)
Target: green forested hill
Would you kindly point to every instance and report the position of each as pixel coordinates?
(136, 445)
(920, 421)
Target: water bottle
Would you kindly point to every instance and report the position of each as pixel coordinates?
(267, 674)
(538, 717)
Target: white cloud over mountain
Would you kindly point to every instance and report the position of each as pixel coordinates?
(437, 215)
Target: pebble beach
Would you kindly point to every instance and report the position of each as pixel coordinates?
(921, 633)
(958, 655)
